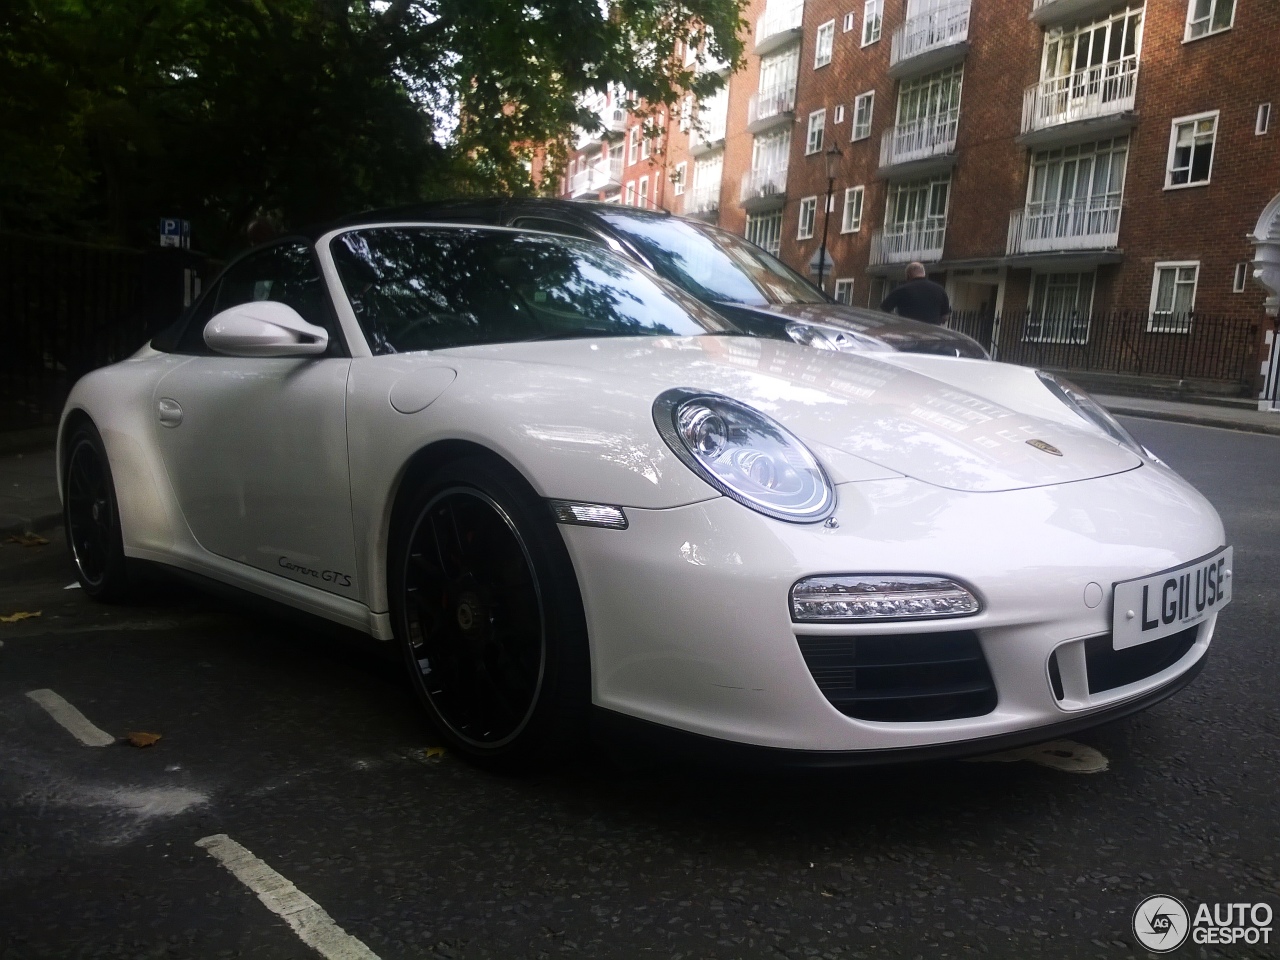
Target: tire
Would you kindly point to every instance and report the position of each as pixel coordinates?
(91, 517)
(486, 609)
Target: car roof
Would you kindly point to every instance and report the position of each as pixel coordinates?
(487, 210)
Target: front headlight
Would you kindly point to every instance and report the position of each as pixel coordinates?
(822, 337)
(744, 455)
(1092, 411)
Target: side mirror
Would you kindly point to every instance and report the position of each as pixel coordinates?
(264, 328)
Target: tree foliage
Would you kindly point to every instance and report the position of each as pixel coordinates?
(118, 112)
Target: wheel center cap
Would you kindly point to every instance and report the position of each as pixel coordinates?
(469, 612)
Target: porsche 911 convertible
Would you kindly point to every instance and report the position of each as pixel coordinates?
(573, 495)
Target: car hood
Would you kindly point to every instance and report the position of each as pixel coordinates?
(850, 407)
(900, 333)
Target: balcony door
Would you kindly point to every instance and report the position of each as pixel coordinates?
(928, 114)
(1076, 191)
(1096, 62)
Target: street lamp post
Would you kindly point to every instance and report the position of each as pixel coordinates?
(832, 157)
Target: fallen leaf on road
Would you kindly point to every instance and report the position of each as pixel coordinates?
(20, 615)
(142, 739)
(435, 753)
(28, 540)
(1065, 755)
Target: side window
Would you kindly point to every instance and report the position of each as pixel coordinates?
(548, 225)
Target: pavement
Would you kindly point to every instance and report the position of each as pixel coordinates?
(29, 501)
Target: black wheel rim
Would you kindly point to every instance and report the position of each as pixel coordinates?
(475, 626)
(90, 512)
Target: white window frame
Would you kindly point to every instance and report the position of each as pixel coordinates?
(642, 192)
(1241, 278)
(824, 44)
(808, 211)
(817, 131)
(633, 145)
(1154, 325)
(766, 227)
(872, 21)
(686, 113)
(852, 224)
(1073, 327)
(1209, 30)
(839, 114)
(1263, 123)
(644, 145)
(870, 99)
(843, 286)
(678, 181)
(630, 194)
(850, 21)
(1192, 120)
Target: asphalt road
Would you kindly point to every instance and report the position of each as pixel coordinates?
(303, 745)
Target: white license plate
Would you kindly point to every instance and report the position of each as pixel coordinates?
(1165, 603)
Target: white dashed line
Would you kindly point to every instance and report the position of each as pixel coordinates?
(75, 722)
(307, 918)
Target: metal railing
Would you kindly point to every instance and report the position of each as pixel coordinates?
(764, 182)
(777, 99)
(920, 139)
(708, 130)
(1089, 223)
(1087, 94)
(903, 242)
(929, 31)
(703, 198)
(780, 20)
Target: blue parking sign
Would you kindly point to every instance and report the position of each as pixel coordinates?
(175, 232)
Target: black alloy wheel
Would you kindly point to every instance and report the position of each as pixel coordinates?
(91, 517)
(487, 611)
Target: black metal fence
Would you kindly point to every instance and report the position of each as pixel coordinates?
(67, 308)
(1182, 346)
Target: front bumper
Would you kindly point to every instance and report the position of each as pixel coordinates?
(690, 629)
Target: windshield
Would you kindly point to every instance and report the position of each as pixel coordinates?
(712, 264)
(428, 288)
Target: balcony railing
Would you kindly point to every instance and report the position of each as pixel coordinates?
(613, 120)
(601, 175)
(703, 198)
(1089, 94)
(773, 102)
(920, 139)
(1089, 223)
(930, 31)
(777, 23)
(764, 182)
(914, 240)
(709, 131)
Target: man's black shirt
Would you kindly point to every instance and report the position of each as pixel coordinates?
(919, 299)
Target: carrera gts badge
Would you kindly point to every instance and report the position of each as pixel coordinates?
(1046, 447)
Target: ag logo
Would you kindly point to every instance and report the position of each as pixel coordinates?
(1161, 924)
(1045, 447)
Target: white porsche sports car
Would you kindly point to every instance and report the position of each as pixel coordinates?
(571, 493)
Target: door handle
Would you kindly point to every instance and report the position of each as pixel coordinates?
(169, 411)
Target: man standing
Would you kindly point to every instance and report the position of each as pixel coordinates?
(919, 298)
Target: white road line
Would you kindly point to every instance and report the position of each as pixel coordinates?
(76, 723)
(307, 918)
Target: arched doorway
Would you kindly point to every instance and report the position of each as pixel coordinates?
(1266, 270)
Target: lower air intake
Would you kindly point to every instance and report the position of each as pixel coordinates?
(1109, 668)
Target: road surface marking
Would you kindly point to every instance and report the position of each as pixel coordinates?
(307, 918)
(75, 722)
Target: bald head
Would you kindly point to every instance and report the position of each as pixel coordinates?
(915, 270)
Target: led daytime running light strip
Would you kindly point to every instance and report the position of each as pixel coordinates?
(864, 597)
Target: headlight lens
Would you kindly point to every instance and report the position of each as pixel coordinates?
(1090, 410)
(744, 455)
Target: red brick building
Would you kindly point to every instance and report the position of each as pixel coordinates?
(1050, 161)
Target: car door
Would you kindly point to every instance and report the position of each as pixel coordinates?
(256, 447)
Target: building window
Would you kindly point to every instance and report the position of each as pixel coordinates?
(686, 113)
(817, 124)
(690, 54)
(630, 200)
(808, 213)
(844, 292)
(642, 197)
(1060, 308)
(765, 231)
(849, 22)
(1075, 191)
(1241, 277)
(1191, 150)
(862, 107)
(1173, 297)
(1209, 16)
(1263, 123)
(851, 221)
(826, 41)
(633, 145)
(872, 12)
(678, 179)
(644, 146)
(915, 220)
(839, 117)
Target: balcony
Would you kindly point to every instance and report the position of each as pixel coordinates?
(764, 188)
(920, 147)
(930, 41)
(707, 135)
(703, 200)
(780, 25)
(913, 240)
(1058, 13)
(771, 107)
(1091, 103)
(601, 175)
(613, 121)
(1065, 226)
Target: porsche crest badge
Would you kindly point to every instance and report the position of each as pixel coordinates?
(1046, 447)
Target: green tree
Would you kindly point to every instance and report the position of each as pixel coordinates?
(118, 112)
